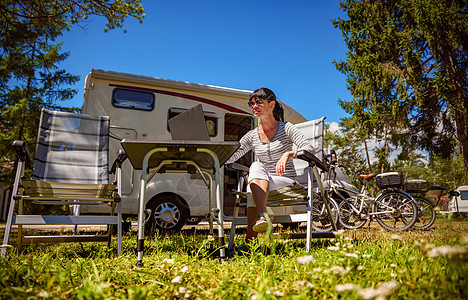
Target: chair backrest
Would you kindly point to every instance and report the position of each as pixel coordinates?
(72, 148)
(313, 132)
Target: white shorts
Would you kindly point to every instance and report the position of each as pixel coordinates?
(258, 171)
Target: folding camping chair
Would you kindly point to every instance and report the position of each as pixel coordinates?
(70, 168)
(307, 193)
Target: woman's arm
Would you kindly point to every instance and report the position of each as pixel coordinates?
(245, 146)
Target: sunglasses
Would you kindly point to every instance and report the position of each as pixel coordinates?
(258, 102)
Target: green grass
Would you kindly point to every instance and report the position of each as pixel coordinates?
(352, 266)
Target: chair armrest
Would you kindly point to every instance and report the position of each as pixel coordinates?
(121, 157)
(238, 167)
(311, 159)
(21, 149)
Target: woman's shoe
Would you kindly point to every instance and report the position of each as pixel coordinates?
(263, 223)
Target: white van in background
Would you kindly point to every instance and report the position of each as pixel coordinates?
(139, 108)
(459, 200)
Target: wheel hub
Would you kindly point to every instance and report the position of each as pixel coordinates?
(396, 213)
(167, 215)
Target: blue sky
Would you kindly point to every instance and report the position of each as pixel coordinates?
(287, 46)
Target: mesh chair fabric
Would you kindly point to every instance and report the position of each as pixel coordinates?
(72, 148)
(293, 191)
(36, 188)
(313, 132)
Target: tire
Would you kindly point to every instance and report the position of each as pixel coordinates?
(349, 218)
(320, 218)
(395, 211)
(168, 214)
(193, 220)
(426, 213)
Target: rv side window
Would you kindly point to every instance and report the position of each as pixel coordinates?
(211, 120)
(235, 126)
(464, 195)
(133, 99)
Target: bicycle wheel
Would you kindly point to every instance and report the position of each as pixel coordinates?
(426, 213)
(350, 216)
(395, 210)
(320, 219)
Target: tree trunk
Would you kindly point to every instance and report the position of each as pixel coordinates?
(457, 76)
(367, 155)
(385, 151)
(409, 164)
(461, 119)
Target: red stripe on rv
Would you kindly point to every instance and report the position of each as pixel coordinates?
(186, 96)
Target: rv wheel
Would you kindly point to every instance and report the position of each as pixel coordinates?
(168, 213)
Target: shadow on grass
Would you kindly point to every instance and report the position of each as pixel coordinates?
(192, 241)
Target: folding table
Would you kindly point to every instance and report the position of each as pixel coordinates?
(202, 157)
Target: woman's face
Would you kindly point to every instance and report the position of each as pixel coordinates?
(263, 109)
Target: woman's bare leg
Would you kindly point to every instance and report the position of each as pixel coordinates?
(259, 188)
(251, 218)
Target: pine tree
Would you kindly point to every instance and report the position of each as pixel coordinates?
(407, 69)
(30, 57)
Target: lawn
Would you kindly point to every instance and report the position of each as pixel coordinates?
(368, 263)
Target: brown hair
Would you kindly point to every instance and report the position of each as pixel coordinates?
(267, 94)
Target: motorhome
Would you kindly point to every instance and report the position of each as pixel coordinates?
(459, 200)
(139, 107)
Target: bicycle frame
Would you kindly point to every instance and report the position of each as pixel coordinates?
(360, 206)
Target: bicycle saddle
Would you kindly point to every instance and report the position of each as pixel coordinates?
(367, 176)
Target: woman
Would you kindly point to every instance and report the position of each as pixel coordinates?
(272, 142)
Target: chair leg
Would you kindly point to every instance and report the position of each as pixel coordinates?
(233, 223)
(119, 210)
(110, 227)
(11, 209)
(235, 214)
(119, 228)
(6, 237)
(310, 183)
(20, 227)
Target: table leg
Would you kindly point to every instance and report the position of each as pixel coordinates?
(141, 213)
(219, 204)
(141, 208)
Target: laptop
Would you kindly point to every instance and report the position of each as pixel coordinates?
(189, 125)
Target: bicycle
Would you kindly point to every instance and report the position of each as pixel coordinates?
(320, 218)
(392, 208)
(417, 188)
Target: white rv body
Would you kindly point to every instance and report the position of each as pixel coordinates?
(226, 112)
(459, 200)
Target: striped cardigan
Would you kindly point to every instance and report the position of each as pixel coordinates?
(269, 153)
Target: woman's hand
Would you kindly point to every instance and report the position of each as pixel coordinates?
(281, 164)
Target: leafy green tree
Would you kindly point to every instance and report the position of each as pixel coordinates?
(447, 171)
(411, 165)
(407, 69)
(30, 77)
